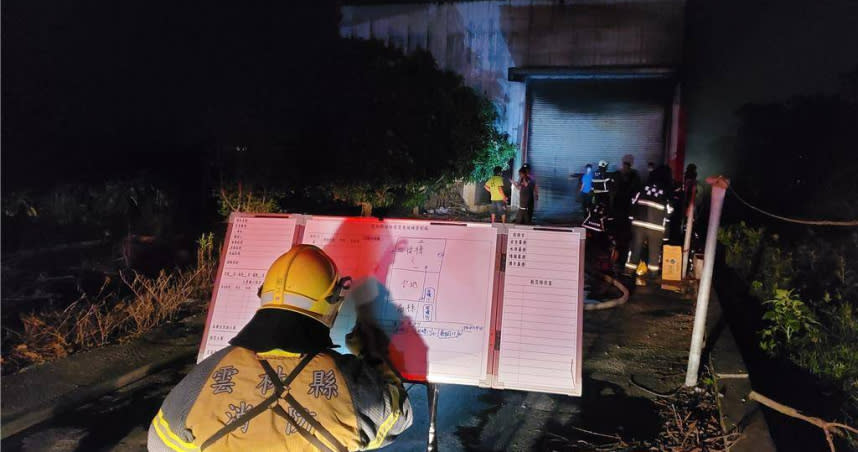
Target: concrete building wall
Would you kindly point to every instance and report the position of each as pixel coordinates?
(482, 40)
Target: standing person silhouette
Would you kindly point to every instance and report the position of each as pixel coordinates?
(499, 199)
(526, 197)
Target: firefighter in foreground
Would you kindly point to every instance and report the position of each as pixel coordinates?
(279, 386)
(650, 216)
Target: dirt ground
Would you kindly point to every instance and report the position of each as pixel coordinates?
(642, 343)
(630, 354)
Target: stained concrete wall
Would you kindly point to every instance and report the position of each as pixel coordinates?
(482, 40)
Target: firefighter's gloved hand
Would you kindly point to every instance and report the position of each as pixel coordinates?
(368, 342)
(366, 338)
(365, 291)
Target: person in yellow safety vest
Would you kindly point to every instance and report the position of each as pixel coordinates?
(279, 386)
(499, 199)
(650, 216)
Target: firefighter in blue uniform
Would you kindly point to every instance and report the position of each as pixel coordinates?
(598, 214)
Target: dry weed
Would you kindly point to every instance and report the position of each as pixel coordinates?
(95, 319)
(691, 422)
(108, 316)
(44, 337)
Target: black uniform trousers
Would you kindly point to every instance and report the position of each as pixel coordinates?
(653, 239)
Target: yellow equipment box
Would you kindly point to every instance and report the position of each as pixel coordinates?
(671, 263)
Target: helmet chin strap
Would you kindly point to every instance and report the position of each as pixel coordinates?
(345, 283)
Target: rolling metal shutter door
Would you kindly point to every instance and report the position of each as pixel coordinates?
(573, 123)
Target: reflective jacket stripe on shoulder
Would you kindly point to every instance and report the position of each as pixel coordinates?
(653, 204)
(648, 225)
(170, 439)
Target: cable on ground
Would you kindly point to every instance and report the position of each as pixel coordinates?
(794, 220)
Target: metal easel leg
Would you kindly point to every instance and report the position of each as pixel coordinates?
(432, 397)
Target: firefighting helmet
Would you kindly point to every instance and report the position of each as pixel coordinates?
(306, 281)
(603, 164)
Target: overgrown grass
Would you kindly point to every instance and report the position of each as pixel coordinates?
(238, 198)
(115, 314)
(98, 206)
(809, 292)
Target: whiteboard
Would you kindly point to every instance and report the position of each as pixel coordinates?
(464, 303)
(542, 310)
(252, 244)
(436, 300)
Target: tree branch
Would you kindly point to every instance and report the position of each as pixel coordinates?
(827, 427)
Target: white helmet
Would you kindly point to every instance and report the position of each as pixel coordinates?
(603, 163)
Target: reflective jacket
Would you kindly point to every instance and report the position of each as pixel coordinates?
(597, 216)
(602, 182)
(651, 209)
(329, 402)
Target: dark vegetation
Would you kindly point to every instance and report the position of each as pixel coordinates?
(117, 311)
(121, 155)
(89, 265)
(689, 421)
(792, 289)
(392, 133)
(267, 96)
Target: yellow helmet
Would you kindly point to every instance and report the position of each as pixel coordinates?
(305, 280)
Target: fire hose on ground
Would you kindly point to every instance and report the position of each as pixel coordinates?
(612, 303)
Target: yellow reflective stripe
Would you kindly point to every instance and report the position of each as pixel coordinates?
(182, 445)
(644, 224)
(631, 265)
(164, 438)
(383, 430)
(277, 353)
(170, 439)
(388, 423)
(652, 204)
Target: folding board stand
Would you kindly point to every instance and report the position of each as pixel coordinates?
(432, 398)
(244, 273)
(432, 402)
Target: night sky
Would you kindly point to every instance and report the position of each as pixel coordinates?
(758, 51)
(86, 82)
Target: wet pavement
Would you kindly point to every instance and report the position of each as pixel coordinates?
(641, 343)
(118, 421)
